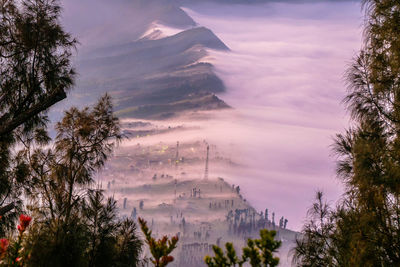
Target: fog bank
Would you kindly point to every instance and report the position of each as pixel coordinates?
(284, 78)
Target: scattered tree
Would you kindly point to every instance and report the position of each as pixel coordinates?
(237, 189)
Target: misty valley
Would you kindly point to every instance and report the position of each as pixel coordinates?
(199, 133)
(176, 188)
(165, 67)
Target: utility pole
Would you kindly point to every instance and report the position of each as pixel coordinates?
(175, 189)
(177, 154)
(206, 169)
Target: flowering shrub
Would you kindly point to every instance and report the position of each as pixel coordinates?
(24, 221)
(4, 243)
(12, 253)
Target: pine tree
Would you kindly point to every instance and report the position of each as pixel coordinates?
(74, 224)
(35, 73)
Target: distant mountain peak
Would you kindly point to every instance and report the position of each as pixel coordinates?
(203, 36)
(157, 30)
(156, 66)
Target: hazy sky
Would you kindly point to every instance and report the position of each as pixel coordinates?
(285, 80)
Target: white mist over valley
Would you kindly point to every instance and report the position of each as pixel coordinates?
(284, 78)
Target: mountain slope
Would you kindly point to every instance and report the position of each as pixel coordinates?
(146, 66)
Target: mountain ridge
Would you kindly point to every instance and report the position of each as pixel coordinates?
(158, 73)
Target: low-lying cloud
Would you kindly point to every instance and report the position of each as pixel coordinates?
(284, 78)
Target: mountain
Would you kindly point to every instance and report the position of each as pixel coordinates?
(174, 108)
(151, 59)
(100, 23)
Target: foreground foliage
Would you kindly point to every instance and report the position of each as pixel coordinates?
(35, 73)
(12, 252)
(364, 229)
(259, 252)
(159, 249)
(74, 224)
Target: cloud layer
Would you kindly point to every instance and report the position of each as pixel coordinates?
(284, 77)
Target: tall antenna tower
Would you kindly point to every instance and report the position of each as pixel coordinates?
(206, 170)
(177, 154)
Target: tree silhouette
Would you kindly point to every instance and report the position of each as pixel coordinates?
(35, 73)
(75, 224)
